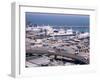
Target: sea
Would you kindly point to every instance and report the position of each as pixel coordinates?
(76, 29)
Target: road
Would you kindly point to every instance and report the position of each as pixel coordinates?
(44, 50)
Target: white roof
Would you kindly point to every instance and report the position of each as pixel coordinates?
(28, 64)
(84, 35)
(42, 60)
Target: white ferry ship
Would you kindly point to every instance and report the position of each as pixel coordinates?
(51, 31)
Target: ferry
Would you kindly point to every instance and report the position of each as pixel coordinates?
(51, 31)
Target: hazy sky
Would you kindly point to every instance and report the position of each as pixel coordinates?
(57, 19)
